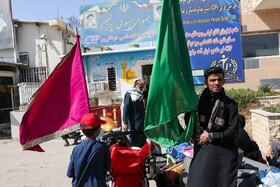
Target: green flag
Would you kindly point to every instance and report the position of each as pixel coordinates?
(171, 88)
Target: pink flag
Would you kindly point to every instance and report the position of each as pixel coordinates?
(58, 105)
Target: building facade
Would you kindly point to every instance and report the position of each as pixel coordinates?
(260, 25)
(39, 46)
(37, 49)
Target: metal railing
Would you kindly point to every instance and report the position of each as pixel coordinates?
(37, 75)
(26, 90)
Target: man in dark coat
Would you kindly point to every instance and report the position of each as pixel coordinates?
(134, 113)
(215, 154)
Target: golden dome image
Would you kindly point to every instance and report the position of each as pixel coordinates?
(109, 125)
(130, 74)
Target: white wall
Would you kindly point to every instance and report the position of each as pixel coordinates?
(28, 40)
(7, 53)
(15, 118)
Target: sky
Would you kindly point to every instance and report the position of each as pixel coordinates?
(45, 10)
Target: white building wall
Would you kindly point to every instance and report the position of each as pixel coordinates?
(27, 34)
(7, 53)
(29, 39)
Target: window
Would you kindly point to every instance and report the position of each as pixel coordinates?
(111, 78)
(107, 74)
(260, 45)
(23, 58)
(99, 74)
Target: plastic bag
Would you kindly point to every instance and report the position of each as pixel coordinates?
(271, 180)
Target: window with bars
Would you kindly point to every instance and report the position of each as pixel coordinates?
(111, 78)
(38, 75)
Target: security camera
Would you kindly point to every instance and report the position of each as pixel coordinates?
(43, 37)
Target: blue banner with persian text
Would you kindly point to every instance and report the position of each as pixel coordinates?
(110, 22)
(213, 34)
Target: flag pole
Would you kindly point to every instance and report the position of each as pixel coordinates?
(75, 23)
(76, 31)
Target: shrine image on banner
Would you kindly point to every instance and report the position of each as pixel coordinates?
(213, 34)
(109, 22)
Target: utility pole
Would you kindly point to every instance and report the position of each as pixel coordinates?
(57, 11)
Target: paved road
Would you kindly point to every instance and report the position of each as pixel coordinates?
(33, 169)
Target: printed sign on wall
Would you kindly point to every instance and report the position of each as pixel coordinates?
(109, 22)
(212, 30)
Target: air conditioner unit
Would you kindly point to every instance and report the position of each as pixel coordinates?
(97, 87)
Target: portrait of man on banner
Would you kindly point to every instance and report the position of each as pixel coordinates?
(157, 11)
(119, 21)
(90, 20)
